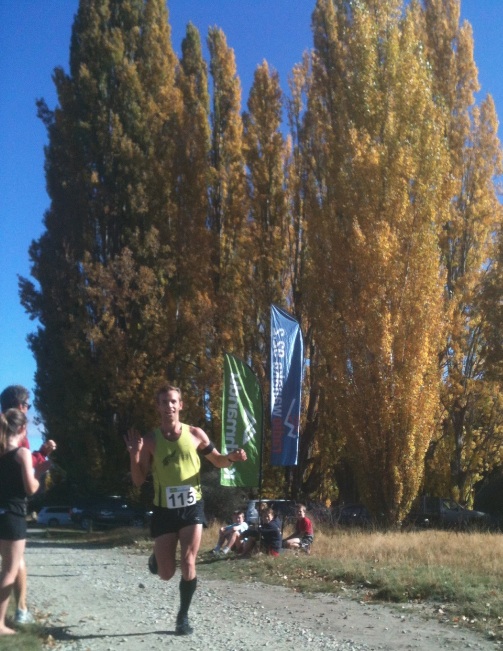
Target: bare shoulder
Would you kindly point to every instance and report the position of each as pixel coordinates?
(199, 436)
(23, 455)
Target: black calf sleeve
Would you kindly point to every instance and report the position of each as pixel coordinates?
(187, 589)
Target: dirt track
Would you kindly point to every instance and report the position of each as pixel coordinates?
(105, 599)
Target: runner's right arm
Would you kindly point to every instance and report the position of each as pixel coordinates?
(140, 454)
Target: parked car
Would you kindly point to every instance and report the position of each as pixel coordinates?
(444, 513)
(283, 509)
(55, 516)
(112, 511)
(319, 512)
(353, 515)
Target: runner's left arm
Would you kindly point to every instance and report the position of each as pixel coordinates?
(207, 448)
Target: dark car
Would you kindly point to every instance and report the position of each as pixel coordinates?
(353, 515)
(110, 511)
(319, 512)
(444, 513)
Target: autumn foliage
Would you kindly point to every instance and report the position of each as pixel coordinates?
(177, 219)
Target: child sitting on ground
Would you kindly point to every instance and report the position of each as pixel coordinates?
(303, 536)
(230, 536)
(269, 533)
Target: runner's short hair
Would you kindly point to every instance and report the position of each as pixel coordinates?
(165, 388)
(13, 396)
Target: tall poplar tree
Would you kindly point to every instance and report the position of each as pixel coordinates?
(314, 473)
(468, 443)
(228, 212)
(102, 265)
(266, 258)
(269, 228)
(379, 166)
(191, 254)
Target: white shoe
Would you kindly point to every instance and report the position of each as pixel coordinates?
(23, 617)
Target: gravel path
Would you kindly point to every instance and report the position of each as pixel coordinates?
(106, 600)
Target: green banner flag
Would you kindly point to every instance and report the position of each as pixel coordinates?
(242, 423)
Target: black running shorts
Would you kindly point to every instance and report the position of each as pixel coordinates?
(12, 526)
(172, 520)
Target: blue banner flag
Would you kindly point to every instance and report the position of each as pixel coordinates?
(287, 358)
(242, 423)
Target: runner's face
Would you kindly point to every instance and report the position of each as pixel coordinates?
(169, 405)
(24, 406)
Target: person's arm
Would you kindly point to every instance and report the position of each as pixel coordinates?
(38, 458)
(205, 447)
(140, 454)
(269, 532)
(307, 527)
(40, 464)
(30, 483)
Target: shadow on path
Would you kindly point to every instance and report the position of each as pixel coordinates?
(63, 634)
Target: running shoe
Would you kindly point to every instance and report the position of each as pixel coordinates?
(182, 625)
(23, 617)
(152, 563)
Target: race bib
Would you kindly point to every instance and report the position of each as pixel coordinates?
(179, 496)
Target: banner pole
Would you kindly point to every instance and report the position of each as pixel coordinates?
(260, 472)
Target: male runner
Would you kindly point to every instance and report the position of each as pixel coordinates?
(171, 453)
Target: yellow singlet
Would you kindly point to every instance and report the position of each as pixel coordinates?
(175, 469)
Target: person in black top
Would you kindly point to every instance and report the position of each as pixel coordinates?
(17, 481)
(269, 532)
(16, 396)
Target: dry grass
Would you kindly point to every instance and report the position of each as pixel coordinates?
(483, 551)
(460, 574)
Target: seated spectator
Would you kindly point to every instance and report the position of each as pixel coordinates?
(230, 536)
(269, 534)
(303, 536)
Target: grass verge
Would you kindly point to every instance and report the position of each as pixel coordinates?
(460, 575)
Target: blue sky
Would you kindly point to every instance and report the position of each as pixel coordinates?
(35, 38)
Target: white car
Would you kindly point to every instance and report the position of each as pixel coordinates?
(55, 516)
